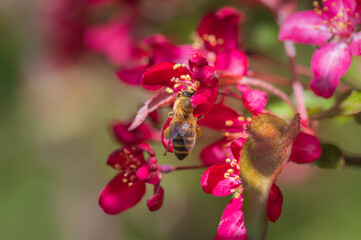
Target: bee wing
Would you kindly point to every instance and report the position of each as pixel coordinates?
(188, 131)
(174, 129)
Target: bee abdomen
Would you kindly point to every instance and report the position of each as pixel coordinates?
(179, 148)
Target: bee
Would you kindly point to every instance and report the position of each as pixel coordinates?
(183, 128)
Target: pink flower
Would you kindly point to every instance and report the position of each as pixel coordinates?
(334, 28)
(127, 188)
(253, 99)
(223, 179)
(152, 50)
(201, 78)
(219, 33)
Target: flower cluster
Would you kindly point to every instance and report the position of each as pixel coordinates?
(209, 72)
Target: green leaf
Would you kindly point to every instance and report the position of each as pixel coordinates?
(265, 152)
(348, 104)
(331, 157)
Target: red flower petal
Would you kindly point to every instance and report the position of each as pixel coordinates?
(234, 61)
(161, 75)
(156, 201)
(214, 182)
(132, 76)
(219, 30)
(300, 28)
(203, 100)
(112, 39)
(197, 61)
(254, 100)
(166, 141)
(216, 152)
(222, 117)
(118, 196)
(274, 203)
(236, 147)
(231, 225)
(329, 63)
(141, 134)
(306, 148)
(205, 75)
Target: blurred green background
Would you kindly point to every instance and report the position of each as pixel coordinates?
(55, 141)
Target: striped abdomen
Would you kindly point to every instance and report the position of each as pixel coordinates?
(179, 148)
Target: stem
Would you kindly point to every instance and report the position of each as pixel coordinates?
(296, 85)
(352, 161)
(190, 167)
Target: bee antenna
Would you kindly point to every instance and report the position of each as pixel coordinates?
(166, 150)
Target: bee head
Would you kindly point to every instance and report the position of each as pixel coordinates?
(187, 93)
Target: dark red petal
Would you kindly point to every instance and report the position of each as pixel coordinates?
(144, 147)
(306, 148)
(222, 117)
(197, 61)
(161, 75)
(214, 182)
(166, 141)
(236, 147)
(116, 158)
(132, 76)
(223, 27)
(205, 75)
(141, 134)
(118, 196)
(254, 100)
(235, 61)
(231, 225)
(156, 201)
(216, 152)
(274, 203)
(203, 100)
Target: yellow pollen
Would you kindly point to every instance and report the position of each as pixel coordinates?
(212, 40)
(183, 65)
(357, 15)
(220, 41)
(237, 195)
(176, 85)
(176, 66)
(230, 171)
(348, 10)
(325, 22)
(325, 9)
(169, 90)
(182, 77)
(249, 119)
(233, 164)
(238, 167)
(331, 30)
(241, 118)
(133, 166)
(237, 178)
(130, 184)
(205, 37)
(233, 190)
(227, 154)
(316, 4)
(226, 134)
(126, 151)
(229, 123)
(125, 180)
(228, 160)
(226, 175)
(132, 178)
(339, 15)
(131, 156)
(341, 25)
(333, 4)
(315, 27)
(117, 166)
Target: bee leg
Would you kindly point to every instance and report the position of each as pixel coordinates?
(170, 114)
(198, 131)
(166, 150)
